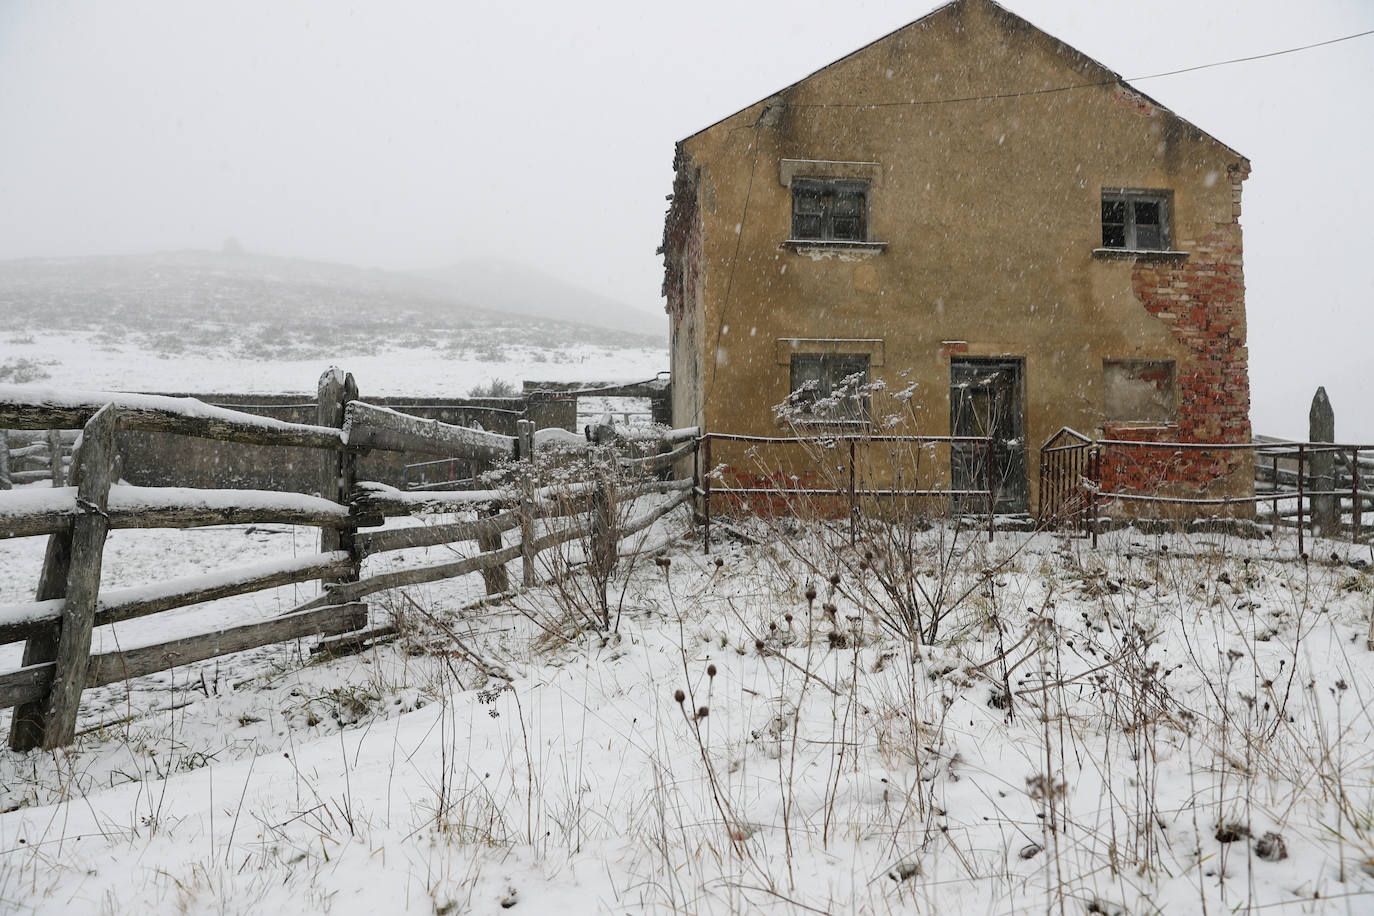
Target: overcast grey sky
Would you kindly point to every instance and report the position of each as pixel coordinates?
(418, 134)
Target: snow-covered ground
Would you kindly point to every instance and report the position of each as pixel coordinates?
(87, 360)
(1160, 688)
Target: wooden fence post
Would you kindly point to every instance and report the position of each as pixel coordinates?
(83, 579)
(5, 460)
(496, 578)
(27, 722)
(604, 539)
(338, 473)
(29, 725)
(524, 442)
(55, 469)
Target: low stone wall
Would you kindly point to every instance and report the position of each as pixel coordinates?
(165, 460)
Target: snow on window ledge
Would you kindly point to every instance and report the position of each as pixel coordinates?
(1143, 254)
(826, 247)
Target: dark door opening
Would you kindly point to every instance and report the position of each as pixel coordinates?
(985, 399)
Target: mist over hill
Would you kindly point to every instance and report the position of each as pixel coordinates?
(258, 307)
(510, 287)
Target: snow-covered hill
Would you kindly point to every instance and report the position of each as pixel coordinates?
(209, 321)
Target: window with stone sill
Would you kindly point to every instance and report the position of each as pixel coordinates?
(1136, 220)
(828, 388)
(830, 209)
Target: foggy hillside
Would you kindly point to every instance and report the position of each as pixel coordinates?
(258, 307)
(510, 287)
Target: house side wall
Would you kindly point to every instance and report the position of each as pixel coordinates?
(682, 287)
(991, 213)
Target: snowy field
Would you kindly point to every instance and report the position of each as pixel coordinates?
(1166, 724)
(85, 360)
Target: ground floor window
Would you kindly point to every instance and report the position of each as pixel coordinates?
(1139, 390)
(829, 387)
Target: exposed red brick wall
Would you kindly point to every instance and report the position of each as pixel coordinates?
(1201, 299)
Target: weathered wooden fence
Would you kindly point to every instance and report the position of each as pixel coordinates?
(57, 626)
(30, 455)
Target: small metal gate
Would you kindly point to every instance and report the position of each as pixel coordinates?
(1068, 467)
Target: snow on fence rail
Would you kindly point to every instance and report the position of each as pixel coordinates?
(37, 407)
(57, 625)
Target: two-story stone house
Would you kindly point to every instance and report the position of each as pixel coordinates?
(972, 210)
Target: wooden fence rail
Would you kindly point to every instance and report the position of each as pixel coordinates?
(57, 625)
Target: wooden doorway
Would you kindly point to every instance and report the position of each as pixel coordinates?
(986, 398)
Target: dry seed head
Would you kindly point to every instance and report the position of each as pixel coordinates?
(710, 670)
(703, 712)
(834, 578)
(811, 593)
(679, 696)
(719, 562)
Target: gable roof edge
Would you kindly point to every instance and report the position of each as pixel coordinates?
(838, 60)
(1110, 75)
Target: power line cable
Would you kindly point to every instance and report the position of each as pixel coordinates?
(1241, 60)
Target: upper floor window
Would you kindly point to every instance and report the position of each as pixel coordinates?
(1136, 220)
(830, 209)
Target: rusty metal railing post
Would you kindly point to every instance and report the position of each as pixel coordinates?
(1040, 494)
(1275, 518)
(696, 480)
(706, 494)
(1077, 471)
(853, 502)
(1095, 462)
(1355, 506)
(992, 498)
(1301, 472)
